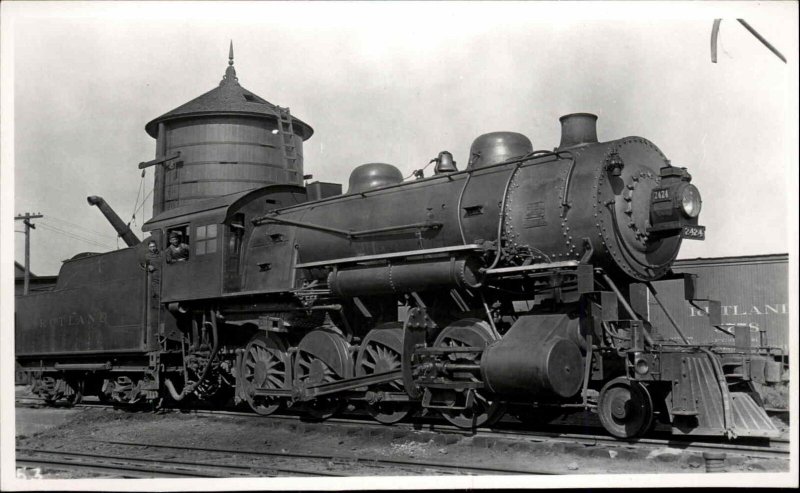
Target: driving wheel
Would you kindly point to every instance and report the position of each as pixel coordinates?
(322, 356)
(264, 367)
(381, 352)
(480, 410)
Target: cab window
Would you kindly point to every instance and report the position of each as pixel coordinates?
(177, 246)
(205, 239)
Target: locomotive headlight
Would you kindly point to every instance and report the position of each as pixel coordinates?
(691, 203)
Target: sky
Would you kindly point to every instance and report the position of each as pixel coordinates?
(397, 83)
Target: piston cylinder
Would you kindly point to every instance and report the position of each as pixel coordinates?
(534, 358)
(404, 278)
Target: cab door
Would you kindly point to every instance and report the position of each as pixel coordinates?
(234, 237)
(200, 275)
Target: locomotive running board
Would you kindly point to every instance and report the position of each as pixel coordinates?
(385, 256)
(525, 268)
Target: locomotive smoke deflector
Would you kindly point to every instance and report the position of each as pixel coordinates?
(578, 129)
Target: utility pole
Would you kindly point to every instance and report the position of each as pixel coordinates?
(26, 219)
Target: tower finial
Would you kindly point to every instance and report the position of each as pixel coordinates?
(230, 72)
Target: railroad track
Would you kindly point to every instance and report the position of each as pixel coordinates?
(767, 449)
(129, 467)
(165, 465)
(775, 448)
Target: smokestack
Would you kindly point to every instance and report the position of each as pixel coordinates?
(578, 129)
(122, 229)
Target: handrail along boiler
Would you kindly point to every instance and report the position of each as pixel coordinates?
(515, 285)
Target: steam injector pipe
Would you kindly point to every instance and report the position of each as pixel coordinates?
(190, 388)
(123, 230)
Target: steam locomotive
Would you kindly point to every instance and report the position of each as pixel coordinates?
(515, 285)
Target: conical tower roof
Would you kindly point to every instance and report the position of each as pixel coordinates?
(229, 98)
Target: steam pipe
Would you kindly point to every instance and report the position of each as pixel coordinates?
(190, 388)
(122, 229)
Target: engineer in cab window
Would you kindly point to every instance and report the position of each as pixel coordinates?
(177, 251)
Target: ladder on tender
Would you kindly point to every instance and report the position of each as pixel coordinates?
(286, 132)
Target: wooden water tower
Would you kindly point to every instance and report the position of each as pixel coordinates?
(227, 140)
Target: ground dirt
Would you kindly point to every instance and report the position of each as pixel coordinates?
(86, 429)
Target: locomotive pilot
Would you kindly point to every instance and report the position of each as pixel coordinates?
(177, 251)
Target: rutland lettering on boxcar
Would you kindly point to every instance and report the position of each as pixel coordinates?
(736, 310)
(73, 319)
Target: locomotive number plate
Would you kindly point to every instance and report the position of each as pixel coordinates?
(694, 232)
(661, 194)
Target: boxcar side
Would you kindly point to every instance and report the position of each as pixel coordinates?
(753, 290)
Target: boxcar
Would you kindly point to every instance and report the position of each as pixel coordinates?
(754, 291)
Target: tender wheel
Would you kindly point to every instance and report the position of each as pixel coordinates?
(124, 390)
(52, 389)
(625, 408)
(322, 356)
(74, 393)
(380, 352)
(264, 366)
(483, 411)
(46, 389)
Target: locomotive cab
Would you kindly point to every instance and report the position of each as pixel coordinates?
(216, 235)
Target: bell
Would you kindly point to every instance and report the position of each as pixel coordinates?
(445, 163)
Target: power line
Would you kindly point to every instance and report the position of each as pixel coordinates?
(80, 234)
(78, 226)
(79, 238)
(76, 236)
(72, 235)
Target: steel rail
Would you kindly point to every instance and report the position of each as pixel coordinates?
(159, 465)
(342, 458)
(650, 443)
(685, 443)
(118, 470)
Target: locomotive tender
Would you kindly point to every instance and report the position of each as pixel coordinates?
(510, 286)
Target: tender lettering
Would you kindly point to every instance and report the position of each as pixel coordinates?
(75, 319)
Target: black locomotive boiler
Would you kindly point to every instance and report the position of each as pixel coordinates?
(514, 285)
